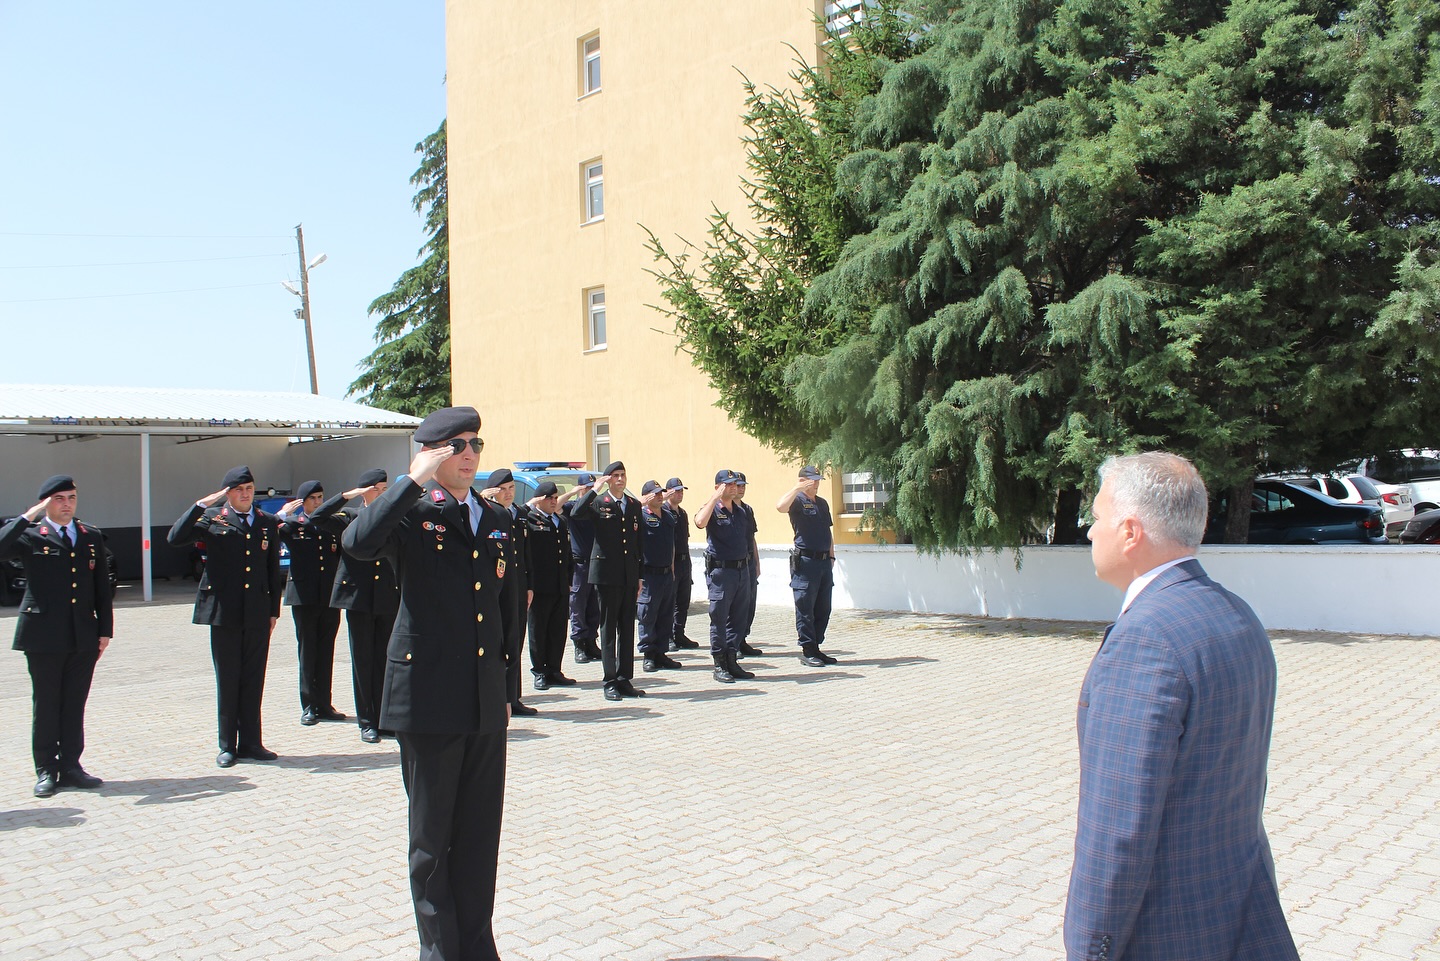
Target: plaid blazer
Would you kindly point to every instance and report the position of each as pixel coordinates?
(1174, 719)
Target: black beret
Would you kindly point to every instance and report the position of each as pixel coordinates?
(612, 467)
(447, 422)
(373, 476)
(237, 476)
(308, 488)
(726, 477)
(501, 476)
(546, 488)
(650, 486)
(55, 485)
(673, 484)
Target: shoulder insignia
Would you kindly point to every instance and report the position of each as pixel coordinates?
(224, 511)
(438, 496)
(44, 532)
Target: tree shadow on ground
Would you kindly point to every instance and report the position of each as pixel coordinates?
(41, 817)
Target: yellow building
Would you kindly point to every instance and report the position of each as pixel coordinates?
(570, 125)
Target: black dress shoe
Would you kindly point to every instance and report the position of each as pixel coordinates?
(309, 718)
(560, 680)
(672, 647)
(825, 657)
(628, 689)
(522, 710)
(542, 683)
(225, 759)
(667, 663)
(330, 714)
(736, 671)
(259, 753)
(613, 694)
(722, 670)
(76, 777)
(582, 656)
(685, 642)
(369, 735)
(651, 665)
(746, 650)
(47, 785)
(810, 656)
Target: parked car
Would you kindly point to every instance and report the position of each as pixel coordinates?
(12, 575)
(1286, 513)
(529, 474)
(1424, 528)
(1418, 469)
(1357, 489)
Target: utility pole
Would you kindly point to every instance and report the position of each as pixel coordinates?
(304, 311)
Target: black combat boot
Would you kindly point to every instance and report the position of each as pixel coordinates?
(722, 669)
(810, 656)
(736, 669)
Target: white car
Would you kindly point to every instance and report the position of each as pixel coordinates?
(1418, 469)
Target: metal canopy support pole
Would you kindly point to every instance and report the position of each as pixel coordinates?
(146, 580)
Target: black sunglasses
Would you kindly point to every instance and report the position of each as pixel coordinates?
(457, 444)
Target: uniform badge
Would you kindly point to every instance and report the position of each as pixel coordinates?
(44, 532)
(224, 511)
(264, 543)
(500, 567)
(92, 564)
(334, 548)
(439, 528)
(438, 496)
(428, 525)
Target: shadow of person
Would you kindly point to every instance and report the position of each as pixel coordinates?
(41, 817)
(816, 676)
(712, 694)
(342, 763)
(602, 715)
(523, 734)
(886, 662)
(174, 790)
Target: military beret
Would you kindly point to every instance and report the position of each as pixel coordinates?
(373, 476)
(308, 488)
(237, 476)
(726, 477)
(445, 423)
(612, 467)
(673, 484)
(501, 476)
(546, 488)
(650, 487)
(810, 473)
(55, 485)
(585, 479)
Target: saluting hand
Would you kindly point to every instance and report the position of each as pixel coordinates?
(210, 500)
(291, 506)
(34, 513)
(427, 461)
(355, 492)
(601, 482)
(490, 493)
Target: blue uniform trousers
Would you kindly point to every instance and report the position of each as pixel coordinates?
(812, 579)
(656, 612)
(729, 592)
(584, 607)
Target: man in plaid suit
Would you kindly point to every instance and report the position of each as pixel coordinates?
(1175, 713)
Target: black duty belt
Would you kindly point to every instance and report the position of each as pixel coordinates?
(728, 565)
(654, 569)
(813, 555)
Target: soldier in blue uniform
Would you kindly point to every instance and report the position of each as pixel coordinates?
(239, 598)
(684, 571)
(367, 592)
(727, 580)
(655, 609)
(314, 560)
(584, 602)
(65, 624)
(812, 564)
(753, 570)
(551, 569)
(615, 572)
(445, 693)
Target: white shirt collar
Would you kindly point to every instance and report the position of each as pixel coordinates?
(1143, 581)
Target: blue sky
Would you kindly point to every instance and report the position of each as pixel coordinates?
(179, 144)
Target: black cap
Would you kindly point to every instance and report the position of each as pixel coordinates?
(56, 485)
(373, 476)
(237, 476)
(612, 467)
(308, 488)
(546, 488)
(740, 477)
(650, 487)
(673, 484)
(501, 476)
(726, 477)
(584, 479)
(811, 473)
(445, 423)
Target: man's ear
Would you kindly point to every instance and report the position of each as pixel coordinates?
(1132, 533)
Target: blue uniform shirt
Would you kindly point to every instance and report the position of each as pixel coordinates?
(582, 534)
(657, 538)
(728, 534)
(810, 519)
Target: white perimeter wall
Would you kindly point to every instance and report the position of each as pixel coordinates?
(1346, 589)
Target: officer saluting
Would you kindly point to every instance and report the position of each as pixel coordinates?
(239, 597)
(368, 594)
(615, 572)
(655, 608)
(684, 574)
(584, 602)
(65, 624)
(445, 693)
(812, 564)
(551, 569)
(314, 560)
(500, 493)
(727, 573)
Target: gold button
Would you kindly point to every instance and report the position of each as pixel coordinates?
(479, 618)
(407, 657)
(480, 653)
(439, 547)
(72, 600)
(377, 577)
(72, 584)
(477, 585)
(247, 553)
(247, 587)
(474, 553)
(247, 570)
(247, 537)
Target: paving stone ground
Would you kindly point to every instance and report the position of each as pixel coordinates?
(916, 801)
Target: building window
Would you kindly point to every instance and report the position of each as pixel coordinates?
(600, 442)
(594, 175)
(590, 65)
(595, 318)
(862, 492)
(841, 15)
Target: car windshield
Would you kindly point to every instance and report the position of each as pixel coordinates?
(1368, 490)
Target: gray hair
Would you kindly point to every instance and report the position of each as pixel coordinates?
(1163, 491)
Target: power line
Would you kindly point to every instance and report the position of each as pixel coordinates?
(142, 293)
(137, 263)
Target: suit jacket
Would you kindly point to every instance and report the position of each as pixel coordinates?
(368, 587)
(314, 561)
(1174, 719)
(445, 664)
(615, 558)
(242, 583)
(67, 589)
(551, 563)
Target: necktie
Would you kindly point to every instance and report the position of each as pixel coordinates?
(65, 535)
(465, 513)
